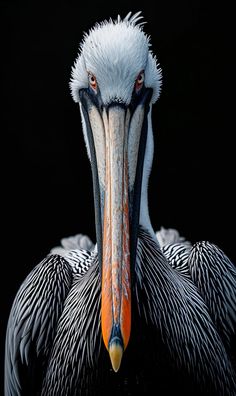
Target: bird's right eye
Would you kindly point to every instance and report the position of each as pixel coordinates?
(92, 81)
(139, 81)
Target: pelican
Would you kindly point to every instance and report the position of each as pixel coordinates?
(138, 309)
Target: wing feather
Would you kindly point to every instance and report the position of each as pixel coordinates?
(32, 323)
(173, 304)
(78, 339)
(215, 276)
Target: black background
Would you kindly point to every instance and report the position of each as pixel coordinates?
(46, 182)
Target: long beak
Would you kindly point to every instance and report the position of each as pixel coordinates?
(114, 138)
(116, 285)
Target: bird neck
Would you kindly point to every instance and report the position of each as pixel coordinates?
(144, 218)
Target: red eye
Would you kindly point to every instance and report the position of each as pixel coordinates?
(92, 81)
(139, 81)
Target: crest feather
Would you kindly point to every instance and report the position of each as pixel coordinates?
(133, 19)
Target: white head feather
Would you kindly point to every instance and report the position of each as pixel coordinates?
(116, 52)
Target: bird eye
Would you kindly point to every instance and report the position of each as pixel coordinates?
(139, 81)
(92, 81)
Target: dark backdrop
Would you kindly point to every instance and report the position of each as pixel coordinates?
(46, 182)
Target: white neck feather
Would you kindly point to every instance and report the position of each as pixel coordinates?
(144, 218)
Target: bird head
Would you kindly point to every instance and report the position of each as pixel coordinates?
(115, 80)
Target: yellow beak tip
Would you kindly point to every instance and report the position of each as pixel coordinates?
(115, 352)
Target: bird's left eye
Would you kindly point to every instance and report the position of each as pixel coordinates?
(92, 81)
(139, 81)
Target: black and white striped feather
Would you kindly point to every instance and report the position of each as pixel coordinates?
(174, 305)
(32, 324)
(175, 248)
(215, 277)
(80, 260)
(177, 255)
(54, 326)
(77, 343)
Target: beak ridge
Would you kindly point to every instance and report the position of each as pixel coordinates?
(116, 287)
